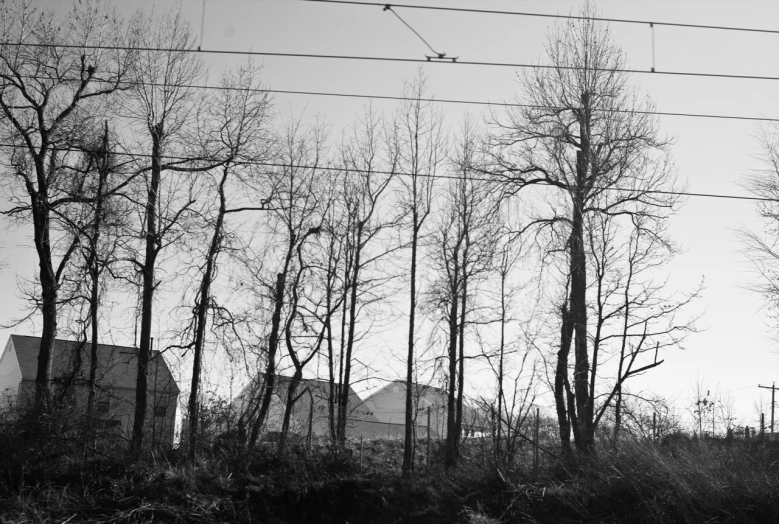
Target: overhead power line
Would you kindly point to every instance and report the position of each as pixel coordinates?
(494, 180)
(517, 65)
(126, 83)
(431, 100)
(548, 15)
(512, 104)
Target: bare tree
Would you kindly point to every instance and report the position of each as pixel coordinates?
(584, 135)
(418, 137)
(162, 104)
(369, 169)
(635, 317)
(762, 248)
(96, 223)
(296, 218)
(511, 415)
(701, 404)
(235, 137)
(53, 82)
(463, 246)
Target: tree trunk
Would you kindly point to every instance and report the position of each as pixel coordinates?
(344, 406)
(270, 370)
(623, 347)
(94, 273)
(147, 298)
(341, 422)
(561, 373)
(40, 212)
(617, 414)
(39, 204)
(451, 427)
(578, 312)
(503, 275)
(458, 432)
(408, 443)
(201, 314)
(288, 408)
(330, 365)
(334, 393)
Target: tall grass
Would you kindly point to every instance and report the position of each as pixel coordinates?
(685, 481)
(689, 481)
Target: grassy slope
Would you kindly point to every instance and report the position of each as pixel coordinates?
(708, 483)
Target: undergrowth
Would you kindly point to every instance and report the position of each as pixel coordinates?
(688, 482)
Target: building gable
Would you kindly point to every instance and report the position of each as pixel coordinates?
(312, 401)
(117, 365)
(10, 373)
(389, 405)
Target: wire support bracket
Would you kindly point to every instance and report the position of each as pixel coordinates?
(437, 57)
(652, 30)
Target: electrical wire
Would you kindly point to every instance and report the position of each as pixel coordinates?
(126, 83)
(547, 15)
(517, 65)
(494, 180)
(511, 104)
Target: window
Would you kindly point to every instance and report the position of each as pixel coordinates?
(106, 423)
(102, 402)
(161, 406)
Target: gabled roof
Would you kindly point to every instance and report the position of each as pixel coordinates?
(419, 389)
(428, 396)
(320, 391)
(117, 365)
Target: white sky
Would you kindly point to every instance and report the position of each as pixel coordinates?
(735, 350)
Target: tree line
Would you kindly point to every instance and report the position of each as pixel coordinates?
(531, 241)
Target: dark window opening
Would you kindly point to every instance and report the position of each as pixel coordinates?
(106, 423)
(102, 403)
(161, 406)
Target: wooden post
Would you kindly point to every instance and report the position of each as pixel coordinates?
(310, 424)
(654, 426)
(772, 387)
(535, 447)
(428, 437)
(762, 425)
(495, 436)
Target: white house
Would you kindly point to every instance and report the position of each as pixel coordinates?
(116, 375)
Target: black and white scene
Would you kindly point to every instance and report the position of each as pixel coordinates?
(335, 261)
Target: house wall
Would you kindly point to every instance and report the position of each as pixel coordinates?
(158, 430)
(357, 410)
(389, 403)
(389, 406)
(299, 420)
(10, 375)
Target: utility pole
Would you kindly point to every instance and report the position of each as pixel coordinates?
(773, 403)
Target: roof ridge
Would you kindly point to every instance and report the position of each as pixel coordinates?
(27, 349)
(76, 342)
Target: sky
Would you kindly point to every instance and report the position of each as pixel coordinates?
(736, 349)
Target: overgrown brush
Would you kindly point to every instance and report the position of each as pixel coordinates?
(699, 481)
(689, 481)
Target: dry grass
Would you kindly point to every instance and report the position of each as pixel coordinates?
(701, 482)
